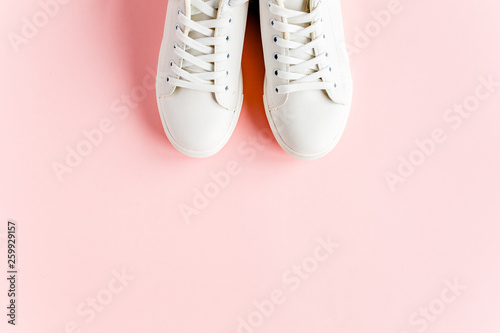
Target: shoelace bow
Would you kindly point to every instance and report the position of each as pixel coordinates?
(306, 58)
(198, 57)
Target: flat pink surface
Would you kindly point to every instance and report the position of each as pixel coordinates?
(415, 227)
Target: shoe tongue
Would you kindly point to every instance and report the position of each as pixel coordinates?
(303, 6)
(299, 5)
(196, 15)
(212, 3)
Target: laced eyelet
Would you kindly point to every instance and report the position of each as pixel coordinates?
(171, 63)
(177, 27)
(269, 4)
(272, 22)
(168, 78)
(324, 36)
(179, 11)
(227, 73)
(230, 20)
(326, 54)
(227, 88)
(276, 56)
(175, 45)
(275, 38)
(335, 85)
(228, 55)
(276, 72)
(330, 69)
(276, 90)
(229, 3)
(227, 38)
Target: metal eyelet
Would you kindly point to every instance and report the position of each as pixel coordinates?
(275, 38)
(276, 72)
(272, 22)
(227, 38)
(227, 88)
(276, 56)
(276, 90)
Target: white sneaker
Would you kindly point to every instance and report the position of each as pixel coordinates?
(199, 84)
(308, 86)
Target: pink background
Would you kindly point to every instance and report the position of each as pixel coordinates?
(398, 249)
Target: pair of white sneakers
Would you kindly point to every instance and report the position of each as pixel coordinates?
(307, 89)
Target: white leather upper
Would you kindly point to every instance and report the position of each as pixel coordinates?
(308, 124)
(199, 123)
(336, 48)
(236, 33)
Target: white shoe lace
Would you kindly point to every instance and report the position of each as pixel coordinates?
(304, 41)
(198, 58)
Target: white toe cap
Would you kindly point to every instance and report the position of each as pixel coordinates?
(310, 124)
(195, 123)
